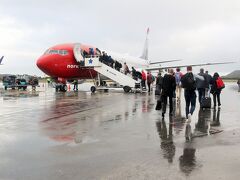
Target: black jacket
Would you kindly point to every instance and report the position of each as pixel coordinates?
(214, 88)
(168, 85)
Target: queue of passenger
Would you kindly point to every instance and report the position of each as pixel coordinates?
(202, 82)
(109, 61)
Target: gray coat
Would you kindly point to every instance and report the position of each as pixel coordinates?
(201, 83)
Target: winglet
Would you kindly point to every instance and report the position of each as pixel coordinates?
(1, 60)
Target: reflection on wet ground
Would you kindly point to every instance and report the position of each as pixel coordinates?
(79, 135)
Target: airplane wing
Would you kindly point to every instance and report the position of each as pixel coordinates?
(160, 62)
(1, 60)
(179, 66)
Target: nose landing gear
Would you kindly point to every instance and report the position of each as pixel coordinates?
(61, 87)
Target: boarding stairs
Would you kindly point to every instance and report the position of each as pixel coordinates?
(127, 82)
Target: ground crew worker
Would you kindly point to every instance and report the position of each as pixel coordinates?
(75, 85)
(34, 83)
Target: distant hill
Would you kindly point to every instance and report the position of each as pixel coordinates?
(233, 75)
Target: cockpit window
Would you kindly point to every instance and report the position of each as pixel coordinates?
(60, 52)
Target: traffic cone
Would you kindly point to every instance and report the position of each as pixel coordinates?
(69, 87)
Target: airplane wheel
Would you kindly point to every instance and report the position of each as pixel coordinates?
(57, 88)
(126, 89)
(64, 88)
(93, 89)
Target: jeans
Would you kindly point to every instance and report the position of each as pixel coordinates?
(164, 101)
(201, 94)
(216, 94)
(190, 98)
(149, 86)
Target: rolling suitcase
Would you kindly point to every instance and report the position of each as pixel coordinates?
(206, 101)
(157, 92)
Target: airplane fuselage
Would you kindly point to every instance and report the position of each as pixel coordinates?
(59, 61)
(62, 61)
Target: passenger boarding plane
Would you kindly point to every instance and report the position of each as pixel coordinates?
(68, 62)
(1, 60)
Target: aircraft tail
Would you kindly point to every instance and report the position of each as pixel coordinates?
(145, 48)
(1, 60)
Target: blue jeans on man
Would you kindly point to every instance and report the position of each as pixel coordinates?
(190, 98)
(201, 94)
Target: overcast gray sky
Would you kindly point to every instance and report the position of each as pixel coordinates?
(196, 31)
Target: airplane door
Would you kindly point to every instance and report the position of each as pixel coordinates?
(77, 51)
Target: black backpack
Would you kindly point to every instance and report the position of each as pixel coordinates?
(188, 81)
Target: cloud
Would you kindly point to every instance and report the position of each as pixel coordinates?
(195, 31)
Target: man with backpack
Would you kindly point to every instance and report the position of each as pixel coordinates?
(208, 81)
(189, 84)
(201, 85)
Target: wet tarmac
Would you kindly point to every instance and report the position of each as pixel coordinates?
(79, 135)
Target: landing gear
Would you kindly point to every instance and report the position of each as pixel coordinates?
(57, 88)
(126, 89)
(64, 88)
(61, 87)
(93, 89)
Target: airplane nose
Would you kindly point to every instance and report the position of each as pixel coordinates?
(39, 63)
(42, 63)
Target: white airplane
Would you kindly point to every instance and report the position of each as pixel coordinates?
(144, 63)
(64, 62)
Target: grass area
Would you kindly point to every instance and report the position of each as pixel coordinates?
(230, 80)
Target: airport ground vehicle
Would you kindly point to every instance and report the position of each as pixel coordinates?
(18, 82)
(11, 81)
